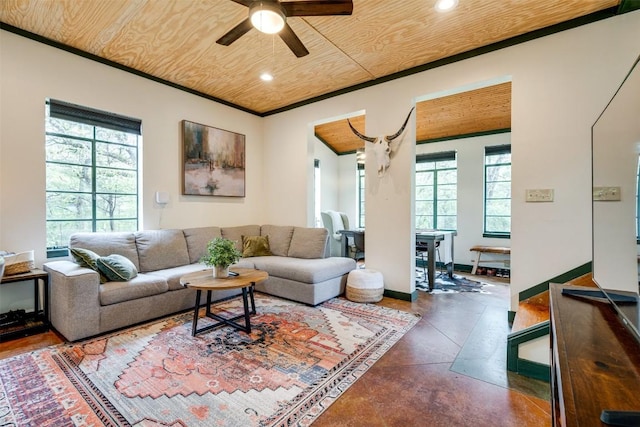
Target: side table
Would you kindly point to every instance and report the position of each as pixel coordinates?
(35, 322)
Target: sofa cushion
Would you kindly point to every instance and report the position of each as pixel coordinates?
(236, 233)
(141, 286)
(104, 244)
(308, 242)
(305, 270)
(158, 249)
(255, 246)
(279, 238)
(116, 268)
(197, 239)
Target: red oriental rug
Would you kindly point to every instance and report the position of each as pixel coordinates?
(295, 363)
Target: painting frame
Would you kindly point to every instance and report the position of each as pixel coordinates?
(213, 161)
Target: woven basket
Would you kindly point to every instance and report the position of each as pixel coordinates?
(364, 295)
(18, 268)
(19, 263)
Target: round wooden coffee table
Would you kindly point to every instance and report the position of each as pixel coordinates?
(204, 281)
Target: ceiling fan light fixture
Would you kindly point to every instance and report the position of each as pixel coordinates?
(267, 17)
(266, 77)
(445, 5)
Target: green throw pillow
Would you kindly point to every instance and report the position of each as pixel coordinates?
(117, 268)
(89, 259)
(85, 258)
(255, 246)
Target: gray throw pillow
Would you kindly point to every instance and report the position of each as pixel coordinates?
(308, 242)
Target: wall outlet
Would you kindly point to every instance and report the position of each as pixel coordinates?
(540, 195)
(608, 194)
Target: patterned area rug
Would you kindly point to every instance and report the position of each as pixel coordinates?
(446, 285)
(295, 363)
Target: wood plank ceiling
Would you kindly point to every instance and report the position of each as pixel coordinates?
(174, 41)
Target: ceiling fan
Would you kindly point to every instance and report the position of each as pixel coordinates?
(269, 16)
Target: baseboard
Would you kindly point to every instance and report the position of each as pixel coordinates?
(538, 371)
(516, 338)
(401, 295)
(562, 278)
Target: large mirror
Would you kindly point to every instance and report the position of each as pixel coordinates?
(616, 154)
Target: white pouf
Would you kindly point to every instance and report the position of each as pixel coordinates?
(365, 285)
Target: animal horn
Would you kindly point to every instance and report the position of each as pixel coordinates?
(359, 135)
(397, 134)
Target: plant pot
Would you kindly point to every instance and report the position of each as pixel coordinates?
(220, 272)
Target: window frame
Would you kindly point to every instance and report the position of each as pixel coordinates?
(96, 119)
(435, 158)
(491, 151)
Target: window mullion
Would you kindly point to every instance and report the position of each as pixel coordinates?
(94, 185)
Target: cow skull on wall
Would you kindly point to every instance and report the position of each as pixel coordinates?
(381, 147)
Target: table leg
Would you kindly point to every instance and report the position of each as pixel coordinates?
(247, 313)
(345, 245)
(253, 301)
(208, 303)
(431, 263)
(194, 326)
(450, 266)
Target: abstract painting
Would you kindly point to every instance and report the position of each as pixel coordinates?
(213, 161)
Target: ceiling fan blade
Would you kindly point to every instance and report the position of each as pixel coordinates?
(244, 2)
(317, 8)
(235, 33)
(289, 37)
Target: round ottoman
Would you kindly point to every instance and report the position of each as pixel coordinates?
(364, 285)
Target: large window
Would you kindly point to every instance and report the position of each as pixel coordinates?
(360, 195)
(436, 191)
(91, 172)
(497, 191)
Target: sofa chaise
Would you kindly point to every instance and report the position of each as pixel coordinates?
(81, 306)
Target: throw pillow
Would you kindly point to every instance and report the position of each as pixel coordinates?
(117, 268)
(255, 246)
(87, 258)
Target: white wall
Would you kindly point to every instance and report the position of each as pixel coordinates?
(30, 72)
(560, 84)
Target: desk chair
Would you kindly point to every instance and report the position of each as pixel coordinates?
(421, 253)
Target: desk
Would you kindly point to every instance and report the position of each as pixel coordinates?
(429, 237)
(38, 321)
(345, 242)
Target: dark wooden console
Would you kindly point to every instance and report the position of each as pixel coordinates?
(595, 361)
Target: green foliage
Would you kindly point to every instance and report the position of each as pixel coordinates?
(221, 253)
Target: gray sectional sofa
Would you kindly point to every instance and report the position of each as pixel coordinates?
(81, 306)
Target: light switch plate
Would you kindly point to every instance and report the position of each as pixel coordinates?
(608, 194)
(540, 195)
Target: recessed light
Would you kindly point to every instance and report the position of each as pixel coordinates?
(445, 5)
(266, 77)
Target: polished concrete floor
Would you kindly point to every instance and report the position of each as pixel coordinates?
(449, 370)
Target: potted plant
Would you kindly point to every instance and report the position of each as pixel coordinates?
(220, 254)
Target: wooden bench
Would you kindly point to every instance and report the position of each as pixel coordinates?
(489, 250)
